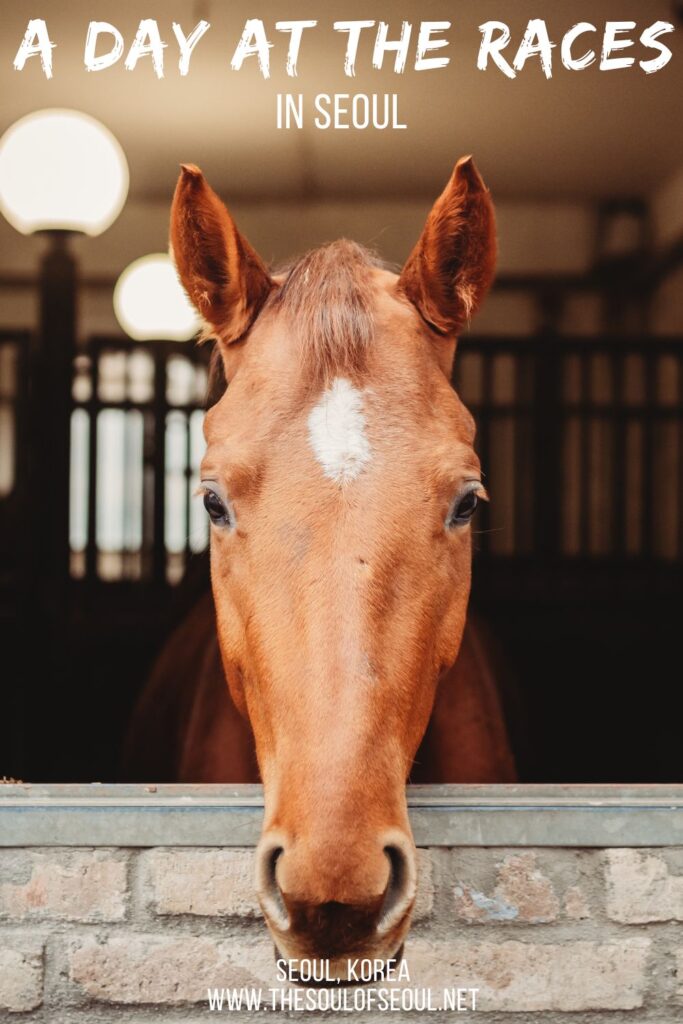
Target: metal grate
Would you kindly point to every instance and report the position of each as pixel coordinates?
(582, 445)
(136, 445)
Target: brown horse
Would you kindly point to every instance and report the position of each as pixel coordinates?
(341, 480)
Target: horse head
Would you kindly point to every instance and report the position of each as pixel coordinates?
(340, 478)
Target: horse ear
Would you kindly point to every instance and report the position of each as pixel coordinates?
(223, 276)
(451, 268)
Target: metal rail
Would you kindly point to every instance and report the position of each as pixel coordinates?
(447, 816)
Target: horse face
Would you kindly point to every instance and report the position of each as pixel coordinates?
(341, 480)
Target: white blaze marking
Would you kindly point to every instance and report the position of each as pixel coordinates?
(336, 431)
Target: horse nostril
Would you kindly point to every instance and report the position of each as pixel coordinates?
(268, 888)
(400, 892)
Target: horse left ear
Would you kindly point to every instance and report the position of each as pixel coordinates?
(224, 277)
(451, 268)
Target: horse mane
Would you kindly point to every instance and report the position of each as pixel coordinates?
(326, 296)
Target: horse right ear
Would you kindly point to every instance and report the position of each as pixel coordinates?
(224, 277)
(451, 268)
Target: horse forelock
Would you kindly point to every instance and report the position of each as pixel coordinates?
(328, 301)
(326, 297)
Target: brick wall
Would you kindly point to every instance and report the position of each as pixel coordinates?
(581, 935)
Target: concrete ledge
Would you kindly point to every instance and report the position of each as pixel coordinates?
(211, 815)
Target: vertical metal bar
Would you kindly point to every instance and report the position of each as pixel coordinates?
(52, 402)
(186, 489)
(585, 422)
(147, 494)
(618, 496)
(519, 477)
(159, 463)
(648, 453)
(91, 569)
(48, 663)
(126, 554)
(547, 444)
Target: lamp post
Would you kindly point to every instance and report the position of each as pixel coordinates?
(61, 173)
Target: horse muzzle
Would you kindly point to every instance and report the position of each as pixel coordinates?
(331, 918)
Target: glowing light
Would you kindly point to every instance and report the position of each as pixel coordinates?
(150, 303)
(61, 169)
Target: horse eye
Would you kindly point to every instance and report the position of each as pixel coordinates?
(464, 509)
(218, 513)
